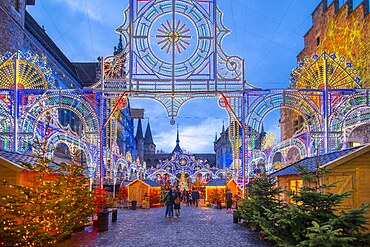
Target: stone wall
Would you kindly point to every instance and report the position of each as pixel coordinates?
(11, 26)
(344, 31)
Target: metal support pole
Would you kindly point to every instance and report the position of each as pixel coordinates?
(101, 163)
(326, 105)
(15, 102)
(215, 55)
(173, 48)
(244, 158)
(101, 159)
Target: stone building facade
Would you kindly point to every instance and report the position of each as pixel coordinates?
(12, 16)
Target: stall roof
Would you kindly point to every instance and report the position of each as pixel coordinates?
(310, 162)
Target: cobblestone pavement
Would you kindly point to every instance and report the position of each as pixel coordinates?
(148, 227)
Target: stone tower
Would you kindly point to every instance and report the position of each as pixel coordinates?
(149, 146)
(139, 138)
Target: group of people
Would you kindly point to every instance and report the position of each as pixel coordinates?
(173, 199)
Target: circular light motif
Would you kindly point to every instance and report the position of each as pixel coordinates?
(182, 38)
(183, 162)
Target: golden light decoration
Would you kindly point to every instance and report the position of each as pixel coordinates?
(114, 66)
(30, 76)
(349, 35)
(346, 35)
(269, 140)
(175, 35)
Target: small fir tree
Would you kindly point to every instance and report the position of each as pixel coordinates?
(215, 196)
(123, 193)
(263, 198)
(312, 219)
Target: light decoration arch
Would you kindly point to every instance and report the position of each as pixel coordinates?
(283, 147)
(6, 125)
(66, 100)
(354, 108)
(275, 99)
(73, 143)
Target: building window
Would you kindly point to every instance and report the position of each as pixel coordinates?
(298, 124)
(16, 5)
(318, 41)
(295, 186)
(354, 144)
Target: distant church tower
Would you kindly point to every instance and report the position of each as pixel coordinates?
(177, 148)
(260, 139)
(149, 146)
(139, 138)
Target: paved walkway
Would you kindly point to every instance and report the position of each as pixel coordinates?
(148, 227)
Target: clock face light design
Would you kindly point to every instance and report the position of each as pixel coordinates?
(173, 39)
(176, 35)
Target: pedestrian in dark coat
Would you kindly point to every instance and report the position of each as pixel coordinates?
(177, 203)
(187, 198)
(169, 198)
(195, 196)
(229, 200)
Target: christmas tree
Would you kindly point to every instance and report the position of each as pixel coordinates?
(76, 201)
(183, 182)
(29, 213)
(54, 201)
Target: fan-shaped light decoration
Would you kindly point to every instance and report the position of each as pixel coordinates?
(313, 73)
(30, 75)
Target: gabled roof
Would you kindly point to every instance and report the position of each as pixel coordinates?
(324, 160)
(146, 181)
(86, 72)
(18, 159)
(151, 183)
(216, 182)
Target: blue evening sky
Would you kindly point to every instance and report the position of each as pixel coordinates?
(267, 34)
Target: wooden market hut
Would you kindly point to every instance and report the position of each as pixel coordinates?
(14, 172)
(219, 186)
(138, 189)
(350, 168)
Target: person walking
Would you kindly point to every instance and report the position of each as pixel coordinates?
(177, 203)
(229, 200)
(187, 198)
(169, 198)
(195, 196)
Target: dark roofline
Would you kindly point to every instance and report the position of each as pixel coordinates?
(354, 149)
(39, 33)
(86, 72)
(30, 2)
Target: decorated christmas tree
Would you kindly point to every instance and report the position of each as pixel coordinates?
(183, 182)
(76, 203)
(30, 213)
(47, 207)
